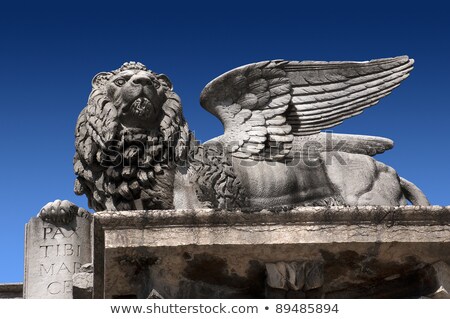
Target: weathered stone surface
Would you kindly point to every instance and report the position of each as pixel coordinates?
(313, 275)
(442, 270)
(54, 252)
(293, 277)
(344, 252)
(154, 295)
(277, 275)
(413, 281)
(11, 291)
(83, 282)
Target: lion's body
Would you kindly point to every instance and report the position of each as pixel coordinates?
(338, 178)
(361, 180)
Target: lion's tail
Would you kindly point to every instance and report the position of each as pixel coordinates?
(413, 193)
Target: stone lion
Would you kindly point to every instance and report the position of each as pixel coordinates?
(134, 149)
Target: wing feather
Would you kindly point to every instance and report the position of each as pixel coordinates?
(269, 103)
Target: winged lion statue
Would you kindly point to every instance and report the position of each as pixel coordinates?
(134, 149)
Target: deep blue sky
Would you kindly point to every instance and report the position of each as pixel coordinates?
(50, 52)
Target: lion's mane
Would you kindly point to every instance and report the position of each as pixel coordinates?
(121, 169)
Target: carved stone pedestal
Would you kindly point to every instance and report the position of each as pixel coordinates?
(308, 252)
(54, 253)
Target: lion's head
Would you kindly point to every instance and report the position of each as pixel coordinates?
(128, 139)
(137, 94)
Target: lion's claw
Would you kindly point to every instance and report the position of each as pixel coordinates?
(59, 212)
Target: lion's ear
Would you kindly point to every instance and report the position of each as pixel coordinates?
(165, 80)
(101, 79)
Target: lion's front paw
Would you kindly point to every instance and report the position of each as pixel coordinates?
(59, 212)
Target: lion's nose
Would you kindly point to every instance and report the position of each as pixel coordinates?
(142, 80)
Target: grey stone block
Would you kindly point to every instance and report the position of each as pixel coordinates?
(83, 282)
(443, 281)
(11, 291)
(334, 252)
(54, 252)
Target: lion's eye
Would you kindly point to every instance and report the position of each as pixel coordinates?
(120, 82)
(156, 84)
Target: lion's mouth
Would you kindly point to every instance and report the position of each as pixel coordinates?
(142, 112)
(142, 107)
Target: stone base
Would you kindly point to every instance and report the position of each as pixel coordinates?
(11, 291)
(305, 252)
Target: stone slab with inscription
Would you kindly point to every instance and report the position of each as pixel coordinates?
(54, 252)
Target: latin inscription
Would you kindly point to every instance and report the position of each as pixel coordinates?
(56, 232)
(59, 268)
(59, 250)
(54, 250)
(54, 254)
(56, 287)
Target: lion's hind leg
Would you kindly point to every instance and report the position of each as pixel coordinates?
(361, 180)
(386, 189)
